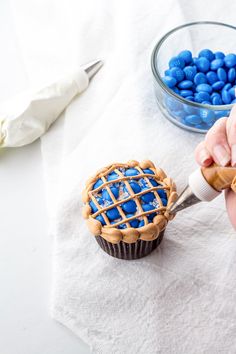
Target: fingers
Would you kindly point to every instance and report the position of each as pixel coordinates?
(216, 143)
(202, 155)
(231, 133)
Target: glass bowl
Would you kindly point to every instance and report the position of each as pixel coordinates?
(193, 36)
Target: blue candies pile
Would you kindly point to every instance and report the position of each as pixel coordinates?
(208, 79)
(120, 191)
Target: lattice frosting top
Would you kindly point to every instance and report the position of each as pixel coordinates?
(128, 201)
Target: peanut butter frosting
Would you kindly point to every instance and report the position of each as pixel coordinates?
(220, 177)
(111, 231)
(233, 185)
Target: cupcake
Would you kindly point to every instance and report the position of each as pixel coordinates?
(126, 208)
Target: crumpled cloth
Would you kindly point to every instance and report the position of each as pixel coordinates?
(181, 298)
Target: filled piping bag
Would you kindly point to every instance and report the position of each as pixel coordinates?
(34, 116)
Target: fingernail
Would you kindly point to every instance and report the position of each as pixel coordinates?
(204, 157)
(221, 155)
(233, 154)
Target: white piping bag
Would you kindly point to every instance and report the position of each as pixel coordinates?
(43, 108)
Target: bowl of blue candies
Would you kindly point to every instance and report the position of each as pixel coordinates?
(194, 71)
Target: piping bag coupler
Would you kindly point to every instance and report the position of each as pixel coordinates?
(204, 185)
(33, 118)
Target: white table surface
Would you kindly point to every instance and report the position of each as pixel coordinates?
(25, 247)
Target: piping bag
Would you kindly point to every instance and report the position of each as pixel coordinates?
(204, 185)
(34, 116)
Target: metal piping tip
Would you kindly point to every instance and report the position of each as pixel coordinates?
(185, 200)
(92, 68)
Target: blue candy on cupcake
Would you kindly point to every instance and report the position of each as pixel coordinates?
(126, 204)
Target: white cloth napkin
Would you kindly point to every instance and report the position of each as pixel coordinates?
(181, 298)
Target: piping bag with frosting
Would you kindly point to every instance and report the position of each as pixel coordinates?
(205, 184)
(34, 116)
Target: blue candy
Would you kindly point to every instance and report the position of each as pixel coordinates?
(122, 226)
(215, 94)
(216, 64)
(131, 172)
(230, 60)
(129, 207)
(226, 97)
(179, 115)
(177, 73)
(133, 223)
(169, 81)
(148, 197)
(207, 116)
(164, 201)
(106, 195)
(216, 100)
(185, 93)
(175, 89)
(93, 206)
(221, 73)
(227, 86)
(201, 96)
(231, 75)
(177, 62)
(219, 55)
(173, 104)
(141, 223)
(113, 214)
(204, 88)
(147, 170)
(232, 92)
(112, 176)
(203, 64)
(193, 119)
(190, 72)
(190, 98)
(189, 109)
(220, 114)
(211, 77)
(151, 217)
(98, 183)
(185, 84)
(218, 85)
(200, 78)
(207, 53)
(208, 79)
(202, 126)
(147, 207)
(101, 219)
(161, 193)
(135, 187)
(186, 55)
(153, 182)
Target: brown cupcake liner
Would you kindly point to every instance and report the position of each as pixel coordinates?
(129, 251)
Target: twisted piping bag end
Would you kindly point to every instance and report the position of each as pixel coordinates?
(92, 68)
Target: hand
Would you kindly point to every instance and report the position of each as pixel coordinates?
(220, 146)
